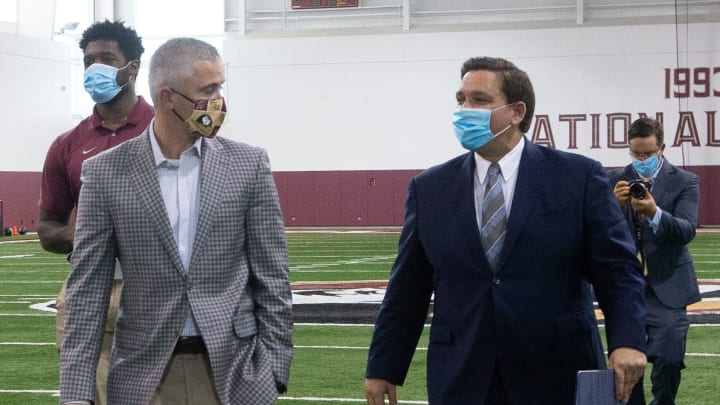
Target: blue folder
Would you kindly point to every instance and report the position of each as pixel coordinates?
(596, 387)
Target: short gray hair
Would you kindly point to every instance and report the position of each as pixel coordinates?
(173, 61)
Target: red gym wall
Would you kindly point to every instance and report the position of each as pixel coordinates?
(19, 193)
(322, 198)
(343, 198)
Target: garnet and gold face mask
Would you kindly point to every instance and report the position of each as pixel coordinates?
(207, 116)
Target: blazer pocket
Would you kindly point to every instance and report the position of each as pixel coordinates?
(245, 325)
(441, 334)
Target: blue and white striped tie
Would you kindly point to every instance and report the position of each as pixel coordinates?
(494, 218)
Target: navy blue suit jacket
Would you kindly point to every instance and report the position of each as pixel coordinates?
(534, 316)
(671, 273)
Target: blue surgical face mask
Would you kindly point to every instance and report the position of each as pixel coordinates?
(647, 167)
(101, 82)
(472, 127)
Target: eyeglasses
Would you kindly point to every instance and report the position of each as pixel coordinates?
(643, 156)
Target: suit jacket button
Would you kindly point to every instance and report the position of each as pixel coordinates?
(496, 281)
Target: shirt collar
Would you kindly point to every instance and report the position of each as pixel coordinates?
(657, 171)
(157, 153)
(135, 118)
(509, 163)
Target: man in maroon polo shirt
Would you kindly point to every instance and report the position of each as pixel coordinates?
(112, 54)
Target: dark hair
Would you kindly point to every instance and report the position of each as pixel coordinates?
(645, 127)
(515, 83)
(129, 42)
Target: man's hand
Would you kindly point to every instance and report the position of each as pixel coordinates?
(646, 206)
(622, 192)
(375, 390)
(629, 365)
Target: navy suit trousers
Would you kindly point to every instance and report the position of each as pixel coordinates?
(667, 330)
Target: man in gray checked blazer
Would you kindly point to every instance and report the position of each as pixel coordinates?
(206, 311)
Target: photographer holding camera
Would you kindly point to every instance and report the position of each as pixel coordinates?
(660, 203)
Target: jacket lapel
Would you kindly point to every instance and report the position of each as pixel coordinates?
(465, 211)
(143, 176)
(211, 191)
(662, 181)
(530, 174)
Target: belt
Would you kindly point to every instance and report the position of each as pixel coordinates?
(190, 345)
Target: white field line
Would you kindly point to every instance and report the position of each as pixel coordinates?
(381, 230)
(337, 271)
(370, 325)
(308, 399)
(15, 302)
(320, 256)
(371, 259)
(343, 347)
(48, 314)
(26, 271)
(15, 256)
(27, 263)
(26, 344)
(425, 349)
(320, 399)
(315, 347)
(32, 282)
(51, 392)
(18, 241)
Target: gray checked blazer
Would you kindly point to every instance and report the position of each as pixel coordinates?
(237, 283)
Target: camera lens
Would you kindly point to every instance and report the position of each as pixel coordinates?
(637, 190)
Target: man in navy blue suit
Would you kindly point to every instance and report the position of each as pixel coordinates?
(660, 202)
(509, 238)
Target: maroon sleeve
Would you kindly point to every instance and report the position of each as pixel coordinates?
(56, 187)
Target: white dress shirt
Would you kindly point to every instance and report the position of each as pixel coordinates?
(509, 165)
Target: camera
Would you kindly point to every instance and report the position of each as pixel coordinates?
(639, 188)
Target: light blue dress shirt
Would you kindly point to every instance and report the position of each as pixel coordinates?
(655, 220)
(180, 186)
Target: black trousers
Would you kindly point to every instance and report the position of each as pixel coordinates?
(497, 394)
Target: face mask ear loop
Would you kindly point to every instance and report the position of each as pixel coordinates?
(501, 132)
(178, 115)
(183, 96)
(129, 76)
(509, 125)
(186, 98)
